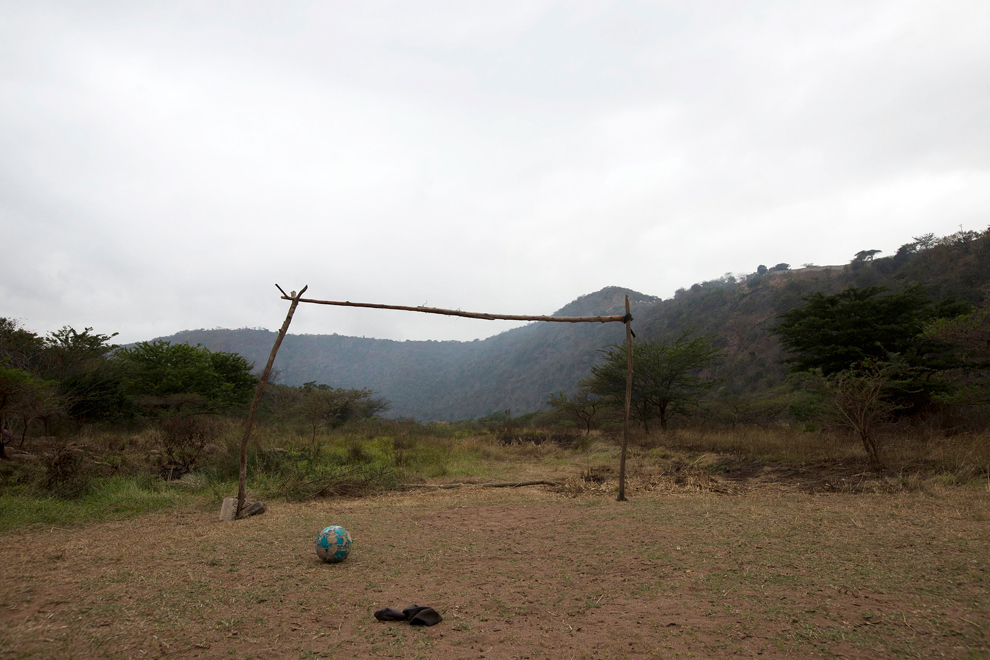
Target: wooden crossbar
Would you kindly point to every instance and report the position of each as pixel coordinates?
(618, 318)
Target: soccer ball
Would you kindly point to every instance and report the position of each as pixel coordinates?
(333, 544)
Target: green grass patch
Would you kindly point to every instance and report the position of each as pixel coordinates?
(110, 499)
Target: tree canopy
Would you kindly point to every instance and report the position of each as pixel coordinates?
(835, 332)
(172, 375)
(90, 382)
(666, 378)
(969, 338)
(320, 405)
(86, 384)
(25, 396)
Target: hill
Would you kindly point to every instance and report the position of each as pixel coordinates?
(519, 368)
(442, 380)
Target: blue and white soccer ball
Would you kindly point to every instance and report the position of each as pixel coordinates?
(333, 544)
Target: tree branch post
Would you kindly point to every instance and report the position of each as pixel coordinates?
(252, 413)
(467, 315)
(625, 418)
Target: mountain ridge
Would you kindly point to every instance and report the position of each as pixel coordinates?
(519, 368)
(426, 379)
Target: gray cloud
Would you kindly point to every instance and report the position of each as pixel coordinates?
(161, 166)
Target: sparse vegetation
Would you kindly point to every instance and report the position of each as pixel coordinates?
(755, 510)
(170, 410)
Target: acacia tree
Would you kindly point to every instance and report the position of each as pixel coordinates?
(858, 400)
(20, 348)
(334, 406)
(72, 350)
(866, 255)
(582, 407)
(81, 380)
(666, 376)
(283, 401)
(836, 333)
(90, 382)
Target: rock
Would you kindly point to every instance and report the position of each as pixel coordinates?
(255, 509)
(172, 471)
(21, 456)
(229, 508)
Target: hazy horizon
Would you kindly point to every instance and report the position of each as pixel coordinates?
(162, 166)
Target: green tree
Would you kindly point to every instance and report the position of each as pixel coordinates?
(969, 338)
(968, 333)
(841, 335)
(666, 377)
(335, 406)
(836, 332)
(78, 351)
(21, 395)
(165, 375)
(20, 348)
(91, 383)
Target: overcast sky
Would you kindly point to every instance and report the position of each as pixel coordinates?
(163, 164)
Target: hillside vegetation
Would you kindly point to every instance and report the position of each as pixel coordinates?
(519, 369)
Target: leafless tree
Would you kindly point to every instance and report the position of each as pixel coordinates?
(857, 401)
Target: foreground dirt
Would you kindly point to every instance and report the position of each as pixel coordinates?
(517, 574)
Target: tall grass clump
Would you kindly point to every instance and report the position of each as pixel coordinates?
(773, 444)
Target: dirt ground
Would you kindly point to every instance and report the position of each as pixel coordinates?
(527, 573)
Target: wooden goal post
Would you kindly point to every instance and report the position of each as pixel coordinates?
(296, 298)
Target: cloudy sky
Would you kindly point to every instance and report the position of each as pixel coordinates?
(163, 164)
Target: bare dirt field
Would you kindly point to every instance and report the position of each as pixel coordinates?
(528, 573)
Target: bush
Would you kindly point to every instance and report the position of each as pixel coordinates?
(182, 439)
(65, 475)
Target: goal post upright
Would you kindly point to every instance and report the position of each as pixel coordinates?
(625, 416)
(258, 391)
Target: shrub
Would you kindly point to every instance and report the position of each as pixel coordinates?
(65, 475)
(182, 439)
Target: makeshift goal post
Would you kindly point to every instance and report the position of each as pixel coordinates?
(296, 298)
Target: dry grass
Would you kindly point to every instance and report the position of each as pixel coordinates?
(777, 444)
(374, 458)
(758, 542)
(685, 573)
(902, 449)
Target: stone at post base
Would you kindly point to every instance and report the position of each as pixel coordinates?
(229, 508)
